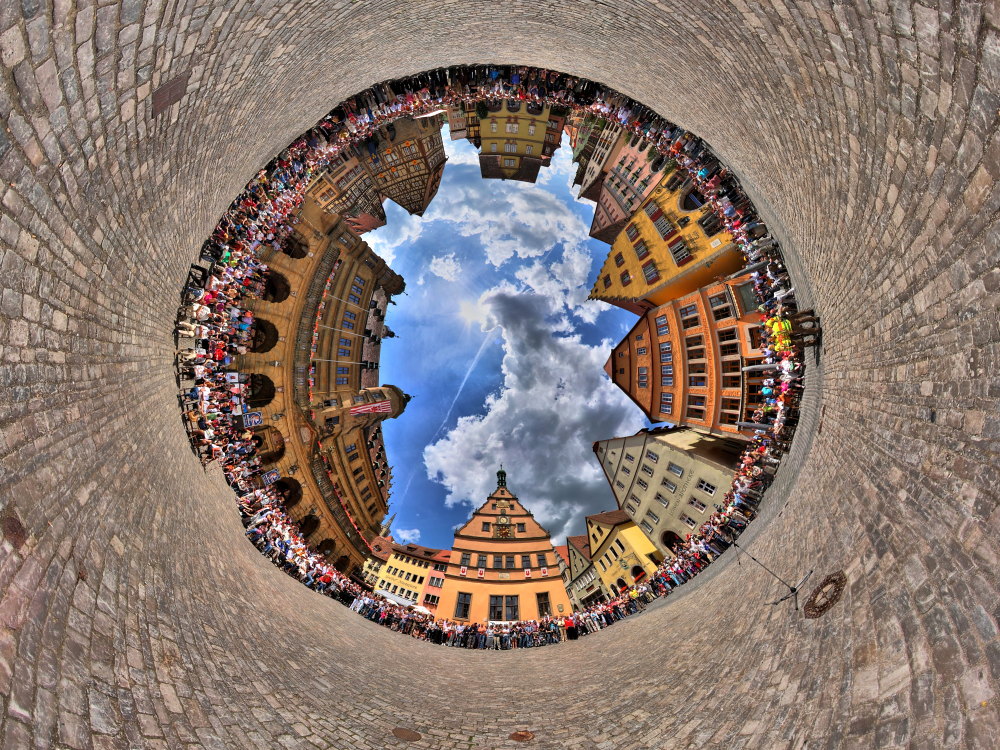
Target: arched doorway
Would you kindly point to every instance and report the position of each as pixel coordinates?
(342, 563)
(671, 540)
(276, 288)
(270, 444)
(293, 247)
(326, 547)
(308, 525)
(620, 585)
(260, 391)
(289, 490)
(638, 573)
(265, 336)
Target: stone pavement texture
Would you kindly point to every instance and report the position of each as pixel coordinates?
(133, 614)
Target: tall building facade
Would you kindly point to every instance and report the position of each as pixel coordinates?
(628, 180)
(405, 574)
(402, 161)
(585, 586)
(670, 247)
(503, 566)
(668, 480)
(406, 160)
(518, 139)
(683, 362)
(347, 189)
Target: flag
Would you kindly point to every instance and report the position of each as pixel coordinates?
(375, 407)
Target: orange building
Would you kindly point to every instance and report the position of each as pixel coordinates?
(503, 566)
(683, 362)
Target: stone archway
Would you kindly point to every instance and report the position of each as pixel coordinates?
(290, 491)
(326, 547)
(308, 524)
(260, 390)
(270, 444)
(342, 564)
(276, 288)
(265, 336)
(671, 539)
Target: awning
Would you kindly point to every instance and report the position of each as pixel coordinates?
(396, 598)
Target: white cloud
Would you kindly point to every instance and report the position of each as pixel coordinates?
(400, 231)
(510, 219)
(406, 536)
(445, 266)
(554, 402)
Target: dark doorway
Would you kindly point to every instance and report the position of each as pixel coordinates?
(276, 288)
(308, 525)
(261, 391)
(265, 336)
(289, 490)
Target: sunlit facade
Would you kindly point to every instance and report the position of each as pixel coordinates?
(503, 566)
(665, 251)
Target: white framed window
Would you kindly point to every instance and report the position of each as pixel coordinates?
(675, 469)
(509, 162)
(698, 505)
(669, 485)
(706, 487)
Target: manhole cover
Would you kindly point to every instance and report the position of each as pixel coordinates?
(523, 736)
(825, 595)
(408, 735)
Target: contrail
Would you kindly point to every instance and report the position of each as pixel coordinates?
(475, 361)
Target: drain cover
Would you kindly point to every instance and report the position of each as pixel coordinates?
(522, 736)
(825, 595)
(401, 733)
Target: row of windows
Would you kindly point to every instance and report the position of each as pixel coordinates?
(504, 561)
(404, 574)
(400, 590)
(520, 527)
(502, 607)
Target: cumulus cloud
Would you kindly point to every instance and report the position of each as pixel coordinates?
(445, 266)
(510, 219)
(553, 403)
(400, 231)
(406, 536)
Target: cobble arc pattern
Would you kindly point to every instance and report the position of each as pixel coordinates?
(134, 615)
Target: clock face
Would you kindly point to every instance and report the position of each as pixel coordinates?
(503, 520)
(503, 531)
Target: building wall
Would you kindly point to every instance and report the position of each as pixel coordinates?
(654, 263)
(482, 582)
(515, 135)
(668, 480)
(698, 385)
(618, 544)
(406, 571)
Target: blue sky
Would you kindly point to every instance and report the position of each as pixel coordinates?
(497, 276)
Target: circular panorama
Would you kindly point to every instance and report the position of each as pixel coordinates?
(712, 356)
(135, 614)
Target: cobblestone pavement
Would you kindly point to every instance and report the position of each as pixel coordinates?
(134, 615)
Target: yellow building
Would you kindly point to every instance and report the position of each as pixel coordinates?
(518, 138)
(664, 252)
(405, 573)
(621, 553)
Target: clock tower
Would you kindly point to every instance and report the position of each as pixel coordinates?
(502, 565)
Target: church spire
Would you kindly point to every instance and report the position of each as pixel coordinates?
(384, 531)
(501, 477)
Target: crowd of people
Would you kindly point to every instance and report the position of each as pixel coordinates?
(216, 318)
